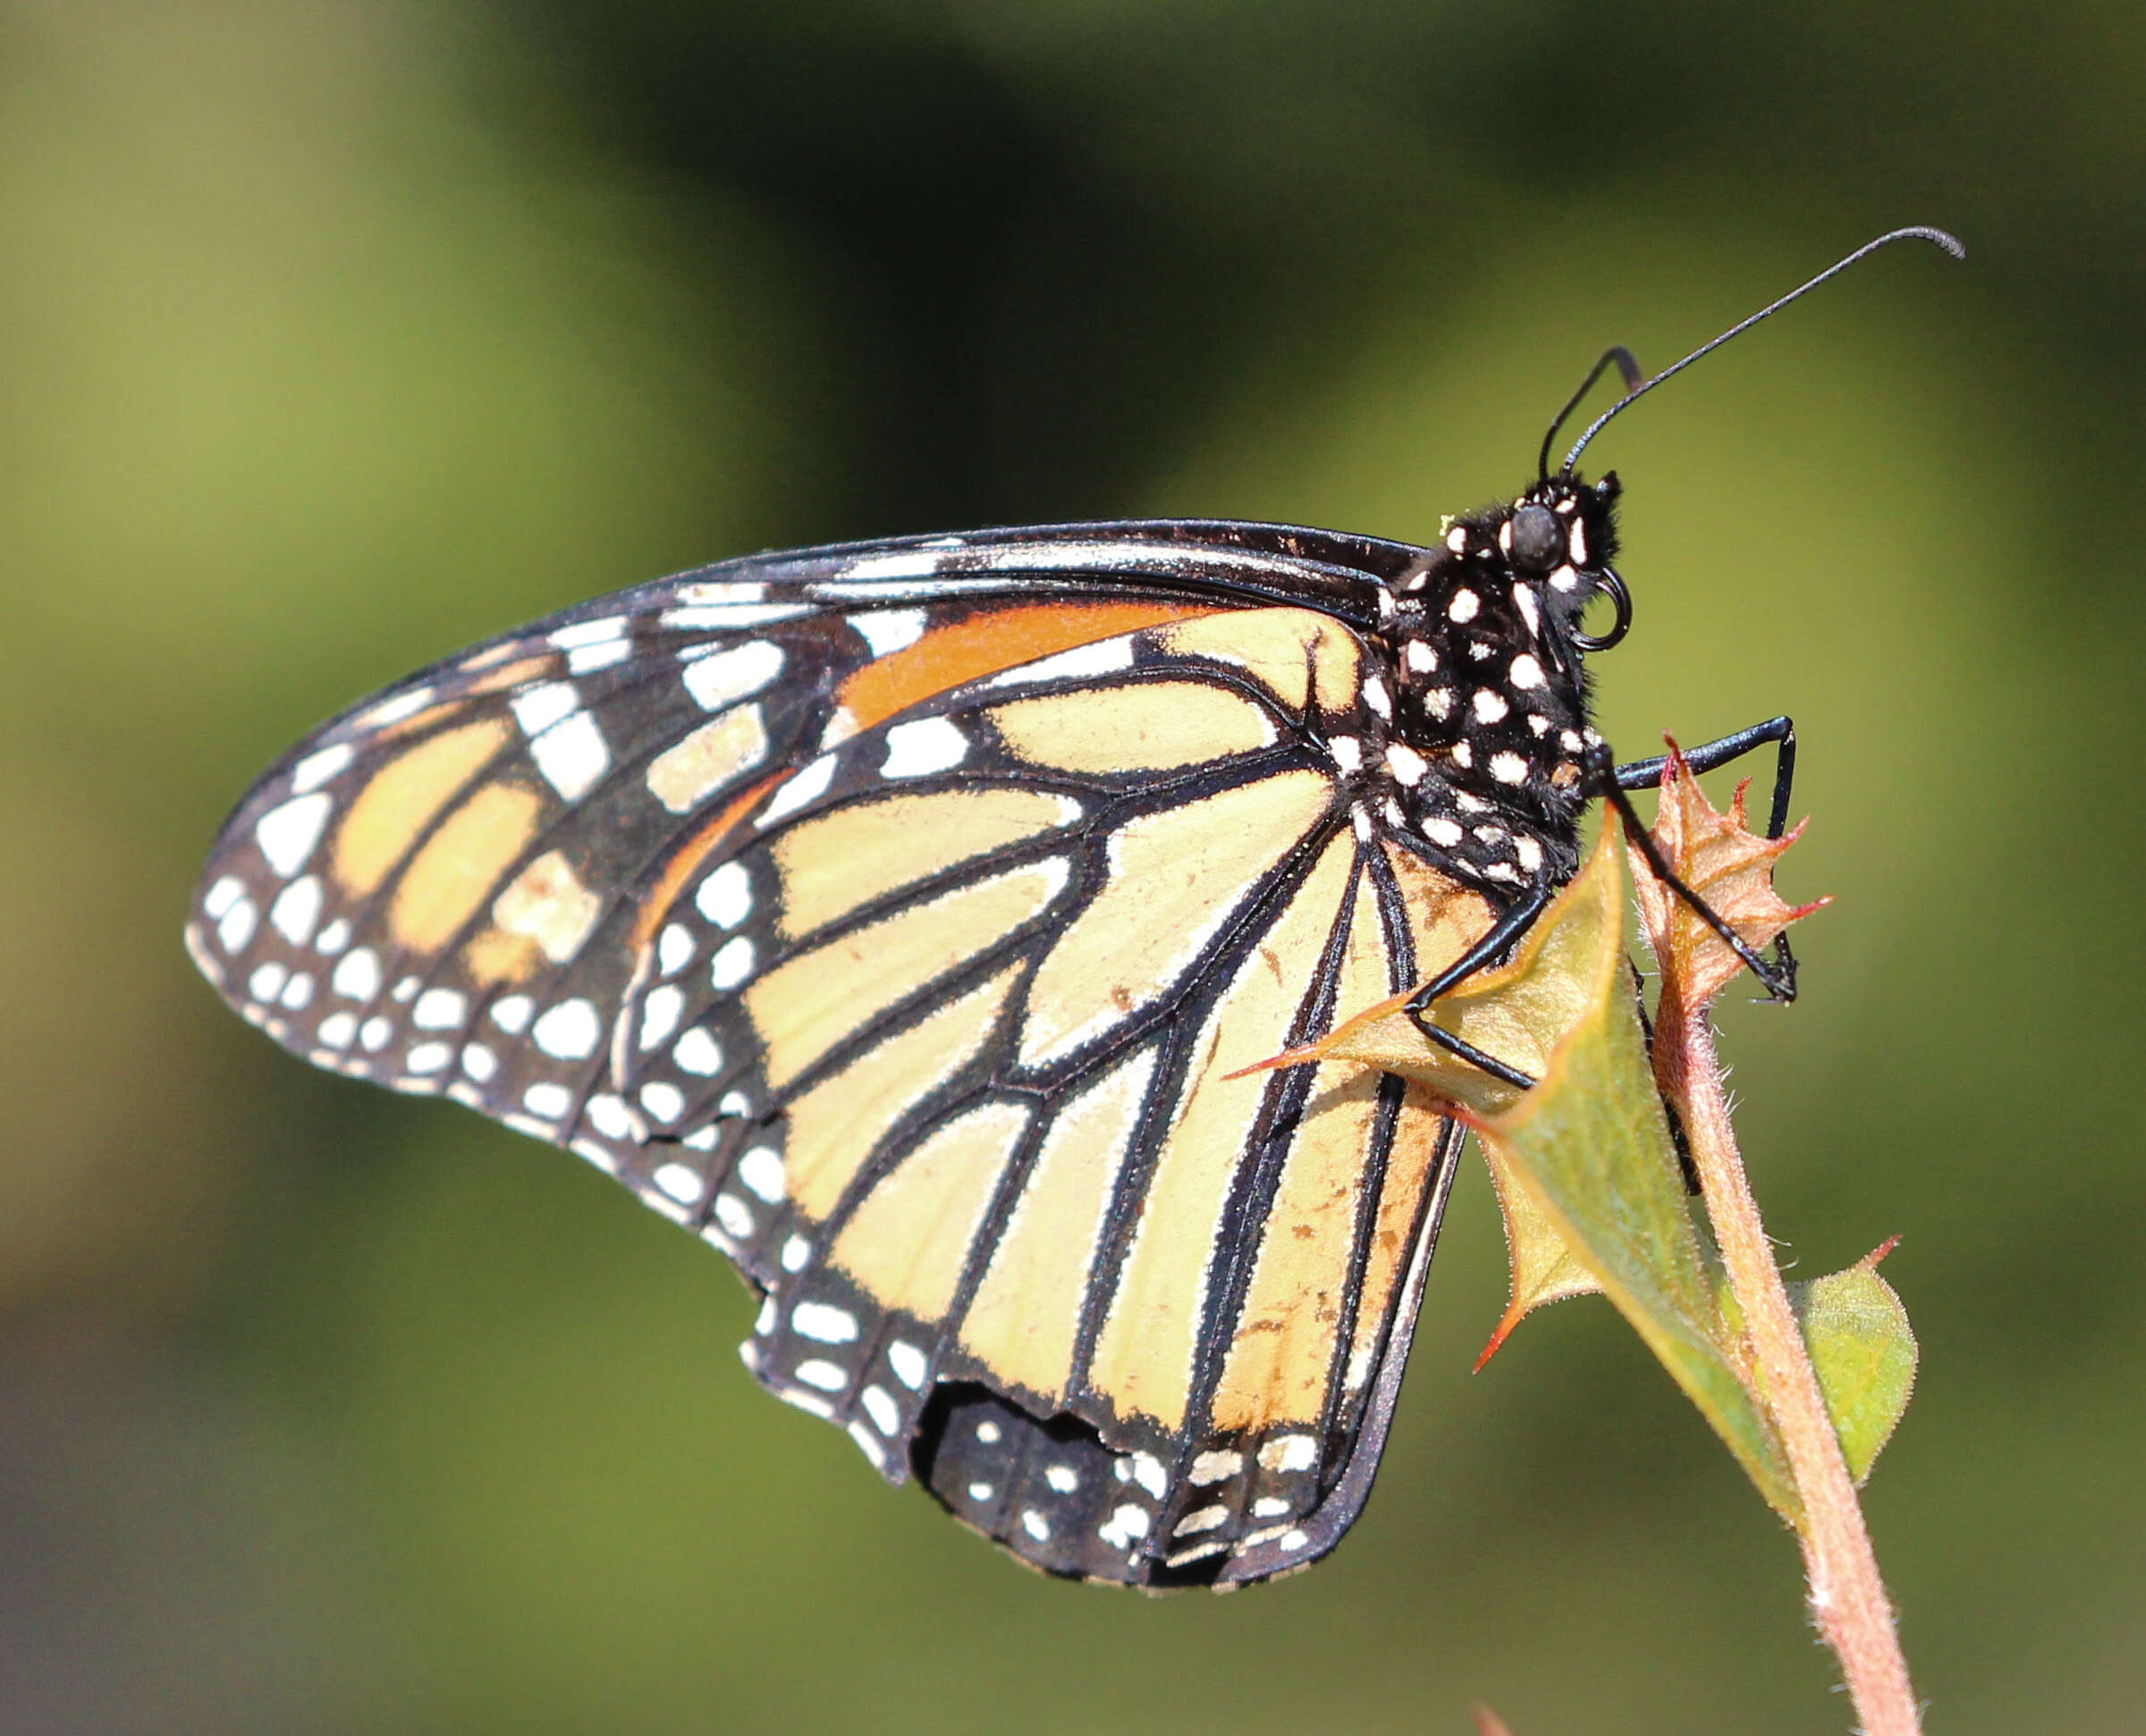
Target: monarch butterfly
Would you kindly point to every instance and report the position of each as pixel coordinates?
(899, 916)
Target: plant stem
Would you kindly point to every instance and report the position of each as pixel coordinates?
(1847, 1598)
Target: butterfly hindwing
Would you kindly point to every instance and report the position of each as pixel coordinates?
(897, 918)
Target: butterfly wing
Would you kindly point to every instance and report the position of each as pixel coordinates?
(894, 916)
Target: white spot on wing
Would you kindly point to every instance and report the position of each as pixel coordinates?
(823, 1323)
(725, 897)
(394, 710)
(682, 1182)
(723, 677)
(1462, 607)
(1213, 1467)
(929, 745)
(287, 834)
(664, 1101)
(439, 1009)
(881, 1409)
(826, 1376)
(1289, 1453)
(586, 659)
(733, 963)
(732, 615)
(900, 563)
(589, 633)
(673, 948)
(567, 1032)
(609, 1115)
(1490, 707)
(316, 769)
(572, 757)
(888, 629)
(552, 1101)
(907, 1362)
(357, 976)
(697, 1053)
(807, 785)
(545, 705)
(1103, 657)
(1124, 1528)
(660, 1010)
(295, 909)
(761, 1170)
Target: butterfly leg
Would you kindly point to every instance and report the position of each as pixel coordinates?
(1599, 772)
(1646, 774)
(1509, 927)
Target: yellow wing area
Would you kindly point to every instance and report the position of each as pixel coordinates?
(1000, 1015)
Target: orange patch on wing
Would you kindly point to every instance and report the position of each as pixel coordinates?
(690, 856)
(986, 643)
(496, 956)
(526, 669)
(1415, 1143)
(403, 796)
(1281, 1359)
(455, 873)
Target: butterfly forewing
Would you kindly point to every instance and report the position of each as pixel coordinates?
(900, 918)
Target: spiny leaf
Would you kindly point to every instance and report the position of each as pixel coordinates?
(1864, 1353)
(1544, 1268)
(1725, 863)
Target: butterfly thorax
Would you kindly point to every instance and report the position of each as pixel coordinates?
(1490, 704)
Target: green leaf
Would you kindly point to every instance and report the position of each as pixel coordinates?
(1592, 1147)
(1864, 1353)
(1544, 1269)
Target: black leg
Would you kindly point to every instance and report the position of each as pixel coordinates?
(1509, 927)
(1708, 756)
(1646, 774)
(1599, 772)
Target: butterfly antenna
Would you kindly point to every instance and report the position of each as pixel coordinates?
(1938, 237)
(1628, 365)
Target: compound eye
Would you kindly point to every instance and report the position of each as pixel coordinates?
(1538, 540)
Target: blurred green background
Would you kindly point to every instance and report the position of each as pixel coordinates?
(334, 336)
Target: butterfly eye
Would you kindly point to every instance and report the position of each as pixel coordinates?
(1538, 540)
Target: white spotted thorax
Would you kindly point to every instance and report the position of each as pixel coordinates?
(1486, 723)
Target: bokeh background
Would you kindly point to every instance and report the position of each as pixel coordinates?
(334, 336)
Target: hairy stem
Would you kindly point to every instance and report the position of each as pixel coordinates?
(1848, 1600)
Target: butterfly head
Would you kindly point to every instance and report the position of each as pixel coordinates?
(1559, 538)
(1488, 649)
